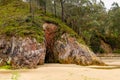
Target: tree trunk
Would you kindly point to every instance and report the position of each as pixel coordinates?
(45, 6)
(55, 8)
(62, 7)
(32, 10)
(30, 4)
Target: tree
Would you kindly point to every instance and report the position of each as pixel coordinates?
(114, 15)
(43, 4)
(4, 2)
(31, 4)
(62, 9)
(54, 2)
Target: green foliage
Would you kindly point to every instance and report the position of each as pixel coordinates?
(16, 21)
(63, 28)
(86, 18)
(95, 44)
(117, 51)
(5, 67)
(113, 41)
(5, 2)
(87, 36)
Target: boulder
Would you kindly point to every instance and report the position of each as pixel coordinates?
(70, 51)
(22, 52)
(66, 49)
(58, 47)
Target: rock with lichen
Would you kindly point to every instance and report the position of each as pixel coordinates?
(71, 51)
(22, 52)
(66, 49)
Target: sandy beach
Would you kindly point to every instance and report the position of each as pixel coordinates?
(65, 72)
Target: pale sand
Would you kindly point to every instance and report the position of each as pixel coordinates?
(65, 72)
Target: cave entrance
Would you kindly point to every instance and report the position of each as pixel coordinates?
(50, 34)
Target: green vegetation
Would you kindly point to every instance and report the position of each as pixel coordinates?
(117, 51)
(17, 21)
(88, 18)
(63, 28)
(5, 67)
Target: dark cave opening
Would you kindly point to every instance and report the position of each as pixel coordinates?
(50, 34)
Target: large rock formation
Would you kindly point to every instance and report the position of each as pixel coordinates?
(71, 51)
(62, 48)
(19, 52)
(66, 49)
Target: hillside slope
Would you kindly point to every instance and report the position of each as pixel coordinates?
(15, 20)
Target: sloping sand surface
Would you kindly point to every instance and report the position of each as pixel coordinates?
(63, 72)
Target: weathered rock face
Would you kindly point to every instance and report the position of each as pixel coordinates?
(21, 52)
(5, 48)
(27, 52)
(70, 51)
(66, 49)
